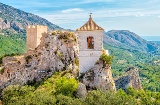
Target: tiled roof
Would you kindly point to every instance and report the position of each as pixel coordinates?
(90, 26)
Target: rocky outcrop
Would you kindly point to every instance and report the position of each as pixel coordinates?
(16, 26)
(129, 79)
(53, 54)
(4, 24)
(99, 77)
(81, 91)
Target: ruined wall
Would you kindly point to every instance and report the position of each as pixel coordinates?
(34, 34)
(88, 57)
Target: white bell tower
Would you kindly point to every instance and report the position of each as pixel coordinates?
(90, 37)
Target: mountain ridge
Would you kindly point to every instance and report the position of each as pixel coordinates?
(16, 19)
(130, 41)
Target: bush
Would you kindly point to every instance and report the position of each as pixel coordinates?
(66, 86)
(65, 100)
(106, 58)
(14, 94)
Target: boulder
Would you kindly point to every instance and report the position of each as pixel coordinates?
(81, 91)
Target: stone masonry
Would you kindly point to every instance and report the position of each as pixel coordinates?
(34, 34)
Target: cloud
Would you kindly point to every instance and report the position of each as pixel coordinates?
(72, 10)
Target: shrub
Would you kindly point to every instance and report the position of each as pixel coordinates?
(14, 94)
(65, 100)
(106, 58)
(66, 86)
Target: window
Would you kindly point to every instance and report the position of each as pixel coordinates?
(90, 42)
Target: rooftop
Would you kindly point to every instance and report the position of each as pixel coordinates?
(90, 26)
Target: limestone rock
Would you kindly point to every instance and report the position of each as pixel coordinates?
(81, 91)
(129, 79)
(53, 54)
(99, 77)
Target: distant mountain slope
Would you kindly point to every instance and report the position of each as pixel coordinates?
(157, 42)
(125, 39)
(17, 20)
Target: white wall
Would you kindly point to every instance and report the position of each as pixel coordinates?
(88, 57)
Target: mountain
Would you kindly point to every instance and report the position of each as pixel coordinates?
(157, 42)
(125, 39)
(15, 20)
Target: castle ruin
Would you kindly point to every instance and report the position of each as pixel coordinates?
(34, 34)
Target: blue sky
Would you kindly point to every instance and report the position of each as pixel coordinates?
(139, 16)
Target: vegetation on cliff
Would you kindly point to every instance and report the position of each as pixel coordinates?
(12, 45)
(53, 91)
(148, 65)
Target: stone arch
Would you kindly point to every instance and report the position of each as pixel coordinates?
(90, 42)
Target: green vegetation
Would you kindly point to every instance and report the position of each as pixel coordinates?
(66, 36)
(66, 86)
(60, 89)
(11, 45)
(148, 65)
(106, 58)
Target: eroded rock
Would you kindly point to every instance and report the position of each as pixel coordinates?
(129, 79)
(99, 77)
(53, 54)
(81, 91)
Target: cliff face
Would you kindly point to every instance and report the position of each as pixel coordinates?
(53, 54)
(99, 77)
(129, 79)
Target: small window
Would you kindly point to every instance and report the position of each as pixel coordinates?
(90, 42)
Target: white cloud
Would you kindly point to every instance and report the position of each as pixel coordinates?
(72, 10)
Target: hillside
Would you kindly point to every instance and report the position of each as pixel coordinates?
(60, 90)
(149, 65)
(15, 20)
(13, 23)
(157, 42)
(125, 39)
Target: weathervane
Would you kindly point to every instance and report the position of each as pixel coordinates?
(90, 14)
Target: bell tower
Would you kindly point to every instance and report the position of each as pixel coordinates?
(90, 37)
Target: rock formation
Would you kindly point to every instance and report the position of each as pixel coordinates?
(129, 79)
(81, 91)
(55, 53)
(99, 77)
(4, 24)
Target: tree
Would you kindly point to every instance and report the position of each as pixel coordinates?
(66, 86)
